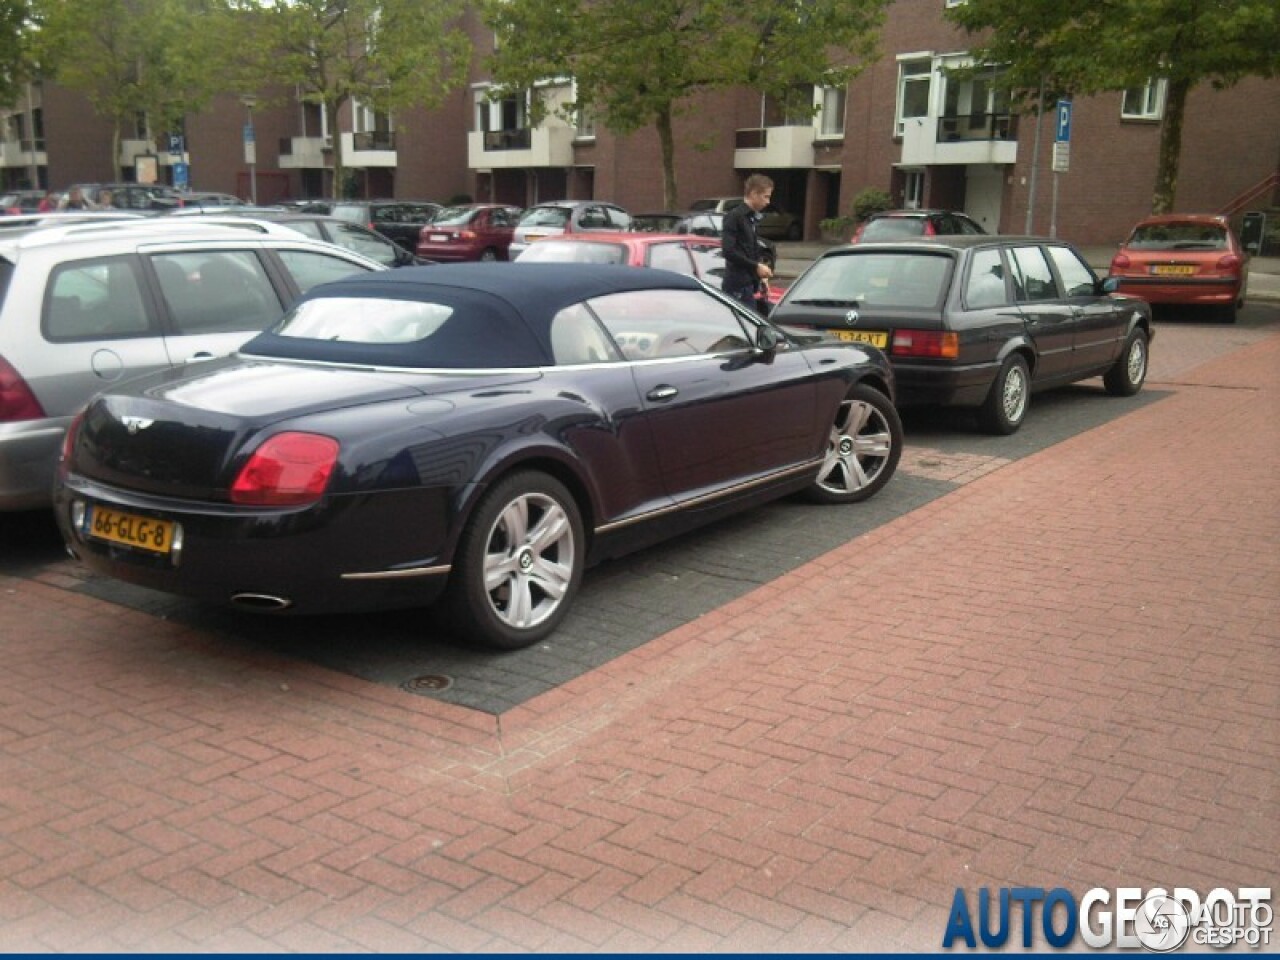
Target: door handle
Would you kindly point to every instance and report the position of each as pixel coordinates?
(664, 392)
(202, 355)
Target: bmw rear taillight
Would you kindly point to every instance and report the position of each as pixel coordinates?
(17, 402)
(857, 234)
(929, 229)
(289, 469)
(925, 343)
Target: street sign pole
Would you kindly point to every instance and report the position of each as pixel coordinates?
(1061, 158)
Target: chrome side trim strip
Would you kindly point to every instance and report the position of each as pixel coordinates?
(709, 497)
(399, 574)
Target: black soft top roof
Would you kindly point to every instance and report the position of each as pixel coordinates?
(502, 311)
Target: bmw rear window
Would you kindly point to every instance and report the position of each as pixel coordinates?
(888, 279)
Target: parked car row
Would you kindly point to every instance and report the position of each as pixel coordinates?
(246, 415)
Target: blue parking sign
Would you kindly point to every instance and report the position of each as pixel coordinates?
(1062, 132)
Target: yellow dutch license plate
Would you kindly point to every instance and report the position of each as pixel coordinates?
(877, 338)
(144, 533)
(1172, 270)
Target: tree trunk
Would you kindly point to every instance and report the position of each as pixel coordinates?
(1175, 107)
(339, 169)
(666, 137)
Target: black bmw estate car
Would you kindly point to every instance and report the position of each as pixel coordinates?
(480, 431)
(977, 321)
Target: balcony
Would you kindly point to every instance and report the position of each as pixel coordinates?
(369, 149)
(23, 153)
(305, 153)
(960, 139)
(774, 148)
(550, 145)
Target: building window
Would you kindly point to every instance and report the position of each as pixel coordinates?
(1143, 103)
(831, 112)
(914, 77)
(585, 124)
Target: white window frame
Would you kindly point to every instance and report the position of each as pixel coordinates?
(913, 189)
(1152, 95)
(831, 104)
(912, 62)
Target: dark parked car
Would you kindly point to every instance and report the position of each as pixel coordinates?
(472, 231)
(480, 431)
(340, 233)
(398, 220)
(906, 224)
(655, 222)
(977, 321)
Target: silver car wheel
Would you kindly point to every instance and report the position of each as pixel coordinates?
(860, 448)
(1014, 394)
(1137, 360)
(529, 560)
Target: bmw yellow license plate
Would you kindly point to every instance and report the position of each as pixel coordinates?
(877, 338)
(143, 533)
(1173, 270)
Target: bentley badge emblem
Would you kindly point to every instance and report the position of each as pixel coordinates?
(851, 318)
(134, 424)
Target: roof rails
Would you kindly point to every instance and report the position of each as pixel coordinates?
(47, 235)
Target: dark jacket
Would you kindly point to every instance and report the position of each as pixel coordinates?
(741, 248)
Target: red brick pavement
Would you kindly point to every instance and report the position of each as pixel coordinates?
(1065, 673)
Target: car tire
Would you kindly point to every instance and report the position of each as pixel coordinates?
(488, 254)
(863, 450)
(519, 563)
(1227, 313)
(1005, 408)
(1129, 372)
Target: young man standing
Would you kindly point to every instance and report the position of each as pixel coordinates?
(744, 270)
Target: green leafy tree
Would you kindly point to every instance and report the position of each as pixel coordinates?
(638, 63)
(15, 27)
(1054, 48)
(153, 59)
(387, 54)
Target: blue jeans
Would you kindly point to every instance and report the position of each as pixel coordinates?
(744, 294)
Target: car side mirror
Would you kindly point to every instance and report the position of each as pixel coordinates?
(767, 339)
(1110, 285)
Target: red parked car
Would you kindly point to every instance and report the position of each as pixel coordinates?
(895, 225)
(471, 231)
(1194, 259)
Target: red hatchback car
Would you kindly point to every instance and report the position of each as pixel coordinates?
(472, 231)
(1193, 259)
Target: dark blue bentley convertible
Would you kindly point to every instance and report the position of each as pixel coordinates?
(481, 431)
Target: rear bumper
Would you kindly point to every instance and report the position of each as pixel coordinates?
(921, 384)
(1191, 290)
(28, 456)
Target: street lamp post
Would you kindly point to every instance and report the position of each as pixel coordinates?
(251, 148)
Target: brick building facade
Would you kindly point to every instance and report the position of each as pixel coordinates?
(904, 125)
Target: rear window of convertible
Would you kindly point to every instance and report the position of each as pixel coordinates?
(458, 329)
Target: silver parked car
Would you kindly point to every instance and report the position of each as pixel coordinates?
(566, 216)
(85, 306)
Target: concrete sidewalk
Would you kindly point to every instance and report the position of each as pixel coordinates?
(1065, 673)
(1264, 272)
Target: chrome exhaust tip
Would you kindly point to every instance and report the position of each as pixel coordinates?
(261, 601)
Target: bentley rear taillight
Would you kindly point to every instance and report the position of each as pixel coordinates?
(289, 469)
(925, 343)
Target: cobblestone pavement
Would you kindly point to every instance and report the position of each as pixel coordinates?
(1062, 671)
